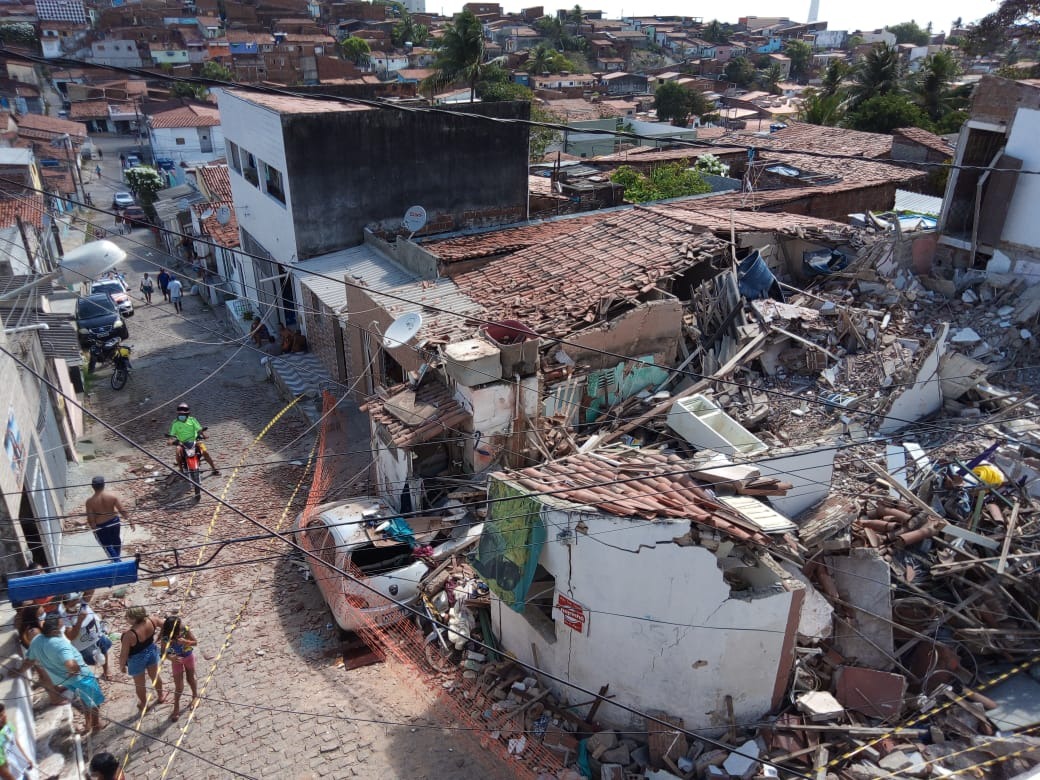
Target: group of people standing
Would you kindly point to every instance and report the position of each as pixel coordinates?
(64, 638)
(170, 286)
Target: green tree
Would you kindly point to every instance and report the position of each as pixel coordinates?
(460, 56)
(545, 59)
(800, 54)
(185, 89)
(673, 103)
(709, 163)
(542, 137)
(496, 84)
(879, 73)
(910, 32)
(883, 113)
(821, 108)
(144, 181)
(740, 71)
(715, 32)
(408, 31)
(355, 49)
(770, 78)
(665, 181)
(1013, 19)
(836, 72)
(932, 83)
(575, 17)
(217, 72)
(19, 33)
(550, 28)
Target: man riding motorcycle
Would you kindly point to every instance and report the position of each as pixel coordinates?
(184, 429)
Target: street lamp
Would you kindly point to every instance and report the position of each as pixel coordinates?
(65, 140)
(82, 263)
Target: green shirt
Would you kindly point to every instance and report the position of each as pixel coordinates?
(188, 430)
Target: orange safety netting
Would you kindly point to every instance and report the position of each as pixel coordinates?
(456, 701)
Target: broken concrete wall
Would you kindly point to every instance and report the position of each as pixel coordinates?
(924, 396)
(807, 470)
(864, 581)
(662, 626)
(652, 328)
(496, 416)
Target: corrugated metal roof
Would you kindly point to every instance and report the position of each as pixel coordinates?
(366, 265)
(918, 203)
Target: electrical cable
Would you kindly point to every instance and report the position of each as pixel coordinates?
(406, 608)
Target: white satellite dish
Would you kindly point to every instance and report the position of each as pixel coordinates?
(206, 214)
(414, 219)
(223, 215)
(402, 330)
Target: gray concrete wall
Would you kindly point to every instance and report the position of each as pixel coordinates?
(347, 170)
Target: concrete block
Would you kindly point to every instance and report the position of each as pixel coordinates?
(601, 742)
(819, 706)
(863, 579)
(745, 763)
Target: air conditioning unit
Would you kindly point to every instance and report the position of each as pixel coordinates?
(704, 425)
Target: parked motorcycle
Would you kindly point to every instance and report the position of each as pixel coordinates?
(101, 351)
(120, 366)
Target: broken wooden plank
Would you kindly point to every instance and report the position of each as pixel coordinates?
(1008, 537)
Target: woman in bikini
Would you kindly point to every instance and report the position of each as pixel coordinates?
(179, 646)
(139, 653)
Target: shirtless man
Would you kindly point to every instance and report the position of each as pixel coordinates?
(103, 512)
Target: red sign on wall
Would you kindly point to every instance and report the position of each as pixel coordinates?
(573, 613)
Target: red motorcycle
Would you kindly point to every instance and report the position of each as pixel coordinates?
(190, 455)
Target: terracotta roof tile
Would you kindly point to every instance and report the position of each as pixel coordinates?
(925, 138)
(216, 181)
(432, 407)
(186, 116)
(507, 240)
(560, 285)
(225, 235)
(89, 109)
(30, 208)
(633, 483)
(800, 136)
(849, 170)
(48, 127)
(643, 154)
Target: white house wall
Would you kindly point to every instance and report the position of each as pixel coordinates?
(493, 408)
(677, 640)
(1021, 226)
(164, 143)
(808, 472)
(259, 131)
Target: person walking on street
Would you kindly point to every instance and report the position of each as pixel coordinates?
(175, 289)
(97, 171)
(55, 654)
(103, 512)
(147, 288)
(122, 160)
(139, 654)
(164, 283)
(178, 645)
(100, 153)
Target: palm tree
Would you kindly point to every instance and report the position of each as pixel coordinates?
(714, 32)
(576, 16)
(879, 73)
(461, 53)
(819, 108)
(836, 72)
(540, 59)
(770, 79)
(932, 85)
(551, 28)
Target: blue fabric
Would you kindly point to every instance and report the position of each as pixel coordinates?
(400, 531)
(136, 664)
(107, 535)
(51, 652)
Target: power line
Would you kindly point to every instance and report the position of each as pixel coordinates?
(406, 608)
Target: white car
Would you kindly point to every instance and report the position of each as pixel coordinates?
(122, 200)
(117, 291)
(349, 535)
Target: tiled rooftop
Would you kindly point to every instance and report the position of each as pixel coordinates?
(644, 154)
(186, 116)
(430, 411)
(216, 181)
(89, 109)
(861, 170)
(48, 127)
(925, 138)
(30, 208)
(564, 283)
(225, 235)
(799, 136)
(699, 214)
(500, 242)
(632, 483)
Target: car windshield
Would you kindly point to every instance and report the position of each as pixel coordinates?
(112, 288)
(88, 309)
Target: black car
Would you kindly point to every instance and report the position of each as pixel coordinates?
(97, 317)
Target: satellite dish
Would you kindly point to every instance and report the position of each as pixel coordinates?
(206, 214)
(223, 215)
(89, 261)
(402, 330)
(414, 219)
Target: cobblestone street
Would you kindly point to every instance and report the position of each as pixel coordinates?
(276, 701)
